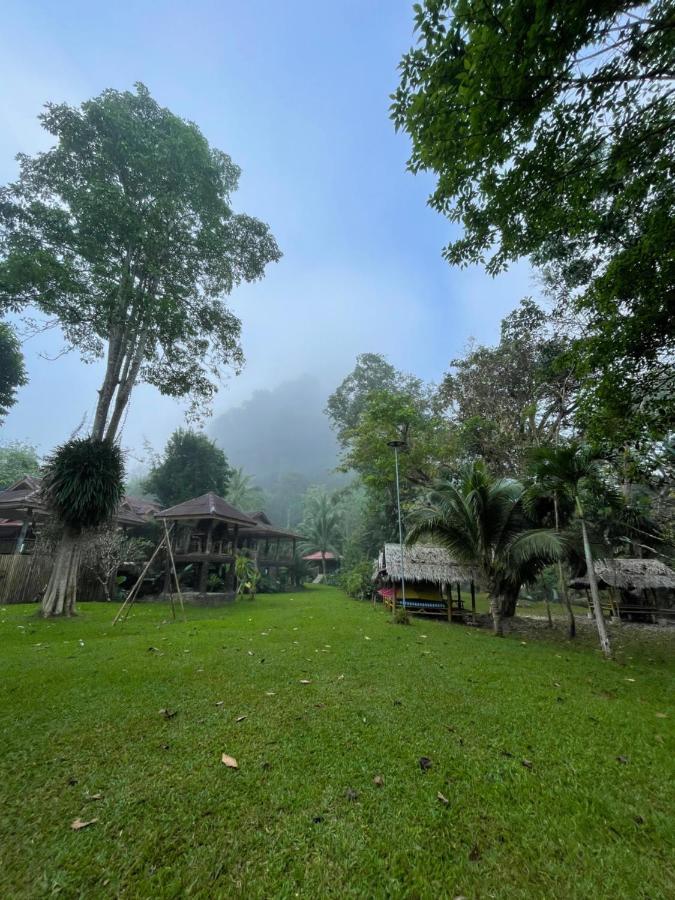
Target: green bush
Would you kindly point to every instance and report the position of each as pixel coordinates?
(357, 582)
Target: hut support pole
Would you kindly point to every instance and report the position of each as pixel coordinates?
(473, 598)
(22, 535)
(459, 596)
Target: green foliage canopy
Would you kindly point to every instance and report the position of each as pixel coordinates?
(17, 459)
(12, 369)
(191, 466)
(124, 232)
(519, 394)
(551, 129)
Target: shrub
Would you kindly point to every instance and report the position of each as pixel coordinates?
(357, 582)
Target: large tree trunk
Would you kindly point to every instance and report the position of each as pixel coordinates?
(496, 610)
(61, 593)
(509, 600)
(595, 594)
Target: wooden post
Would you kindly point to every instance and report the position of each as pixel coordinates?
(22, 534)
(473, 598)
(459, 596)
(131, 596)
(175, 574)
(204, 572)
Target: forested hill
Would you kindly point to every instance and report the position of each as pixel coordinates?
(280, 431)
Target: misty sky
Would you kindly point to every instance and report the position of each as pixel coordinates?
(297, 92)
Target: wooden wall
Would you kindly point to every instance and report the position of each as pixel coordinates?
(23, 578)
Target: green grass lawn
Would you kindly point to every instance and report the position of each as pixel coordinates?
(554, 762)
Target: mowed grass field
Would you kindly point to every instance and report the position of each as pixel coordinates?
(556, 765)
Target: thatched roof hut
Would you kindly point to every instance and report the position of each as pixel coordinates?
(630, 575)
(422, 563)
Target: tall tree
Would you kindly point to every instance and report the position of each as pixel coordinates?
(551, 128)
(519, 394)
(321, 525)
(124, 234)
(17, 459)
(574, 472)
(12, 369)
(371, 374)
(481, 521)
(191, 465)
(408, 414)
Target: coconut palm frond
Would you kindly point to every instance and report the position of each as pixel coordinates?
(540, 544)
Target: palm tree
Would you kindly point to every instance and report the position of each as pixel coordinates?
(481, 521)
(574, 472)
(247, 575)
(321, 526)
(242, 492)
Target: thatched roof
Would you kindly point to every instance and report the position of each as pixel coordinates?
(631, 574)
(421, 563)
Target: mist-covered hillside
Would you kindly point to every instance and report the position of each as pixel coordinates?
(280, 431)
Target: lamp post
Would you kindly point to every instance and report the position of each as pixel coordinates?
(396, 446)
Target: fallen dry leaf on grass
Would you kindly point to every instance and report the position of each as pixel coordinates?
(79, 824)
(378, 781)
(229, 761)
(622, 759)
(241, 718)
(167, 713)
(442, 799)
(351, 794)
(661, 715)
(94, 797)
(425, 763)
(305, 681)
(219, 702)
(527, 763)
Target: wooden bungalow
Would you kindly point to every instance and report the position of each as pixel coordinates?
(433, 580)
(273, 548)
(640, 589)
(210, 532)
(205, 533)
(22, 510)
(23, 573)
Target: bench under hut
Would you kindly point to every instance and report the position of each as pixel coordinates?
(433, 581)
(635, 589)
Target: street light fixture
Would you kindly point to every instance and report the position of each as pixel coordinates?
(396, 446)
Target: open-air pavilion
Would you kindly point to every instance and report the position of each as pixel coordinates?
(635, 588)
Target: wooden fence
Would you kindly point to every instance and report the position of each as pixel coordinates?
(23, 578)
